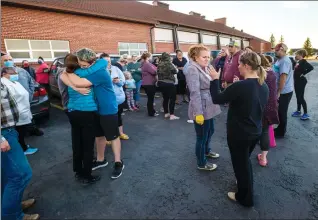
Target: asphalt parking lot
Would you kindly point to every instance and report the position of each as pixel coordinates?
(160, 179)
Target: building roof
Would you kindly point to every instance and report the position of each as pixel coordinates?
(130, 11)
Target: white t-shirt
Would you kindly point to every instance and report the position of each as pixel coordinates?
(21, 97)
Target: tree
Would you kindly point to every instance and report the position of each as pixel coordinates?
(291, 52)
(272, 40)
(307, 46)
(281, 40)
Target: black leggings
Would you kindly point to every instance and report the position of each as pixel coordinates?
(240, 150)
(300, 85)
(150, 91)
(83, 126)
(264, 141)
(22, 130)
(169, 92)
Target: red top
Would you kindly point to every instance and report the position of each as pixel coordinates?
(42, 74)
(231, 67)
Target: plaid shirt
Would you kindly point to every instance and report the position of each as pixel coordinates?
(9, 109)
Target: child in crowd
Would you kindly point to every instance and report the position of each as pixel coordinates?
(130, 85)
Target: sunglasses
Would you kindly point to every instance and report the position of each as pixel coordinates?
(230, 46)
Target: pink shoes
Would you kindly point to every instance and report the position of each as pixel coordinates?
(261, 162)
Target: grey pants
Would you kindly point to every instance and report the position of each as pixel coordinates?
(264, 141)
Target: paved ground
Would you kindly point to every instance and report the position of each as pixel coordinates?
(161, 180)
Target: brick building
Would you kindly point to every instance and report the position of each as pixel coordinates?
(51, 28)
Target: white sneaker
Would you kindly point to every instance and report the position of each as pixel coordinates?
(173, 117)
(167, 115)
(190, 121)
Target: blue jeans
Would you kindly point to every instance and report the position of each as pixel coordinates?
(204, 133)
(137, 91)
(16, 173)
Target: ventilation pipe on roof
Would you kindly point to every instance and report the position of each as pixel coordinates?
(195, 14)
(160, 4)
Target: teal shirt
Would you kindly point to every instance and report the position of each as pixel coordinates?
(135, 70)
(103, 87)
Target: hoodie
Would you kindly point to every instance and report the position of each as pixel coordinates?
(231, 67)
(166, 70)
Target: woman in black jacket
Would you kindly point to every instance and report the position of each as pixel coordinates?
(301, 69)
(247, 99)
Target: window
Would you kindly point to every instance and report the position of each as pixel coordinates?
(132, 48)
(224, 41)
(188, 37)
(209, 39)
(21, 49)
(246, 43)
(163, 35)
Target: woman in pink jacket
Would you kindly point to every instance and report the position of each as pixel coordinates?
(149, 79)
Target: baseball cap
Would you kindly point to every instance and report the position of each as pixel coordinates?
(86, 54)
(233, 44)
(281, 46)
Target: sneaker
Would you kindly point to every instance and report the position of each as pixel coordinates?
(162, 110)
(36, 132)
(155, 115)
(212, 155)
(90, 180)
(78, 176)
(30, 150)
(208, 167)
(122, 114)
(167, 115)
(305, 117)
(296, 114)
(99, 164)
(31, 217)
(173, 117)
(190, 121)
(135, 108)
(125, 110)
(118, 170)
(27, 203)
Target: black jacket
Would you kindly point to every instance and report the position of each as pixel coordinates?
(302, 68)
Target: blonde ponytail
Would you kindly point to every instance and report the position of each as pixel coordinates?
(262, 75)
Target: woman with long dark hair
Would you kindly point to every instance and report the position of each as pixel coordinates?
(270, 116)
(247, 100)
(149, 79)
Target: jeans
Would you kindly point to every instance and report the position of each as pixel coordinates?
(137, 91)
(16, 173)
(300, 85)
(83, 126)
(204, 133)
(283, 105)
(240, 150)
(150, 91)
(169, 93)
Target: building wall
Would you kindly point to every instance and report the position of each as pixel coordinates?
(99, 34)
(256, 45)
(212, 47)
(185, 47)
(164, 47)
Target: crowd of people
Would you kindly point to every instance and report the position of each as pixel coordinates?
(95, 93)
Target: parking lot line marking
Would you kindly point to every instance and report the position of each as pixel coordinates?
(57, 106)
